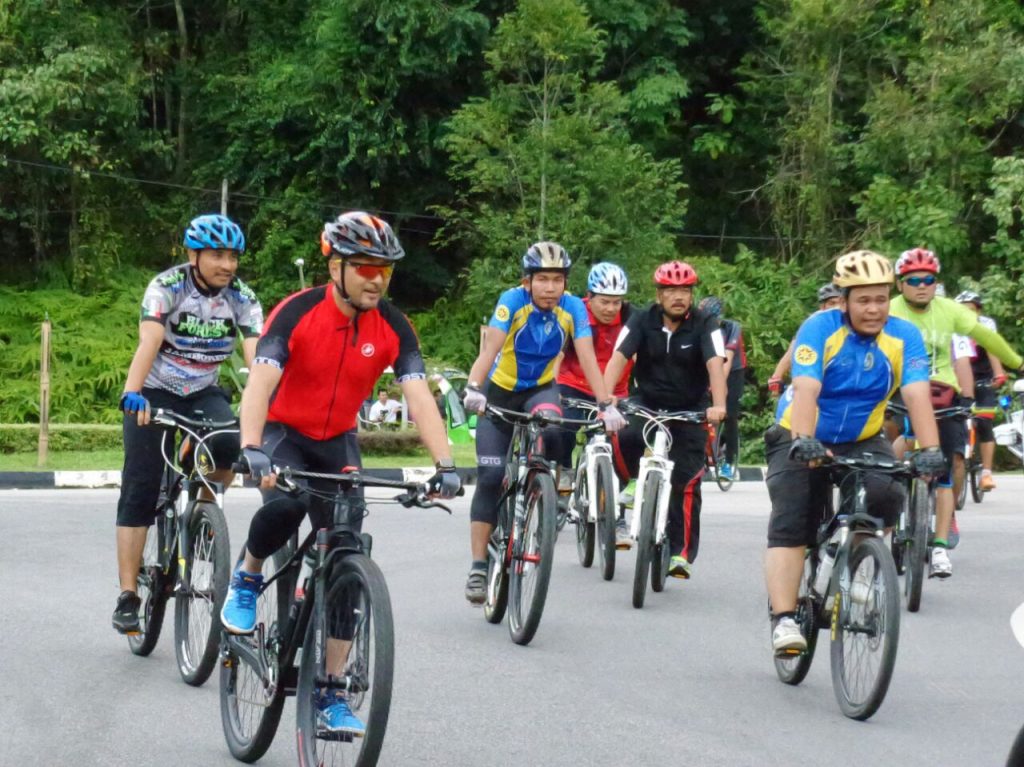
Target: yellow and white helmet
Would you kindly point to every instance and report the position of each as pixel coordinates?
(863, 267)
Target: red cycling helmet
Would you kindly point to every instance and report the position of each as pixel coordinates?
(917, 260)
(674, 274)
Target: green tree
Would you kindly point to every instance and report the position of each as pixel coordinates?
(547, 155)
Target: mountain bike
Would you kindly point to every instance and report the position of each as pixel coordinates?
(522, 546)
(1011, 434)
(972, 453)
(850, 585)
(653, 488)
(336, 609)
(187, 552)
(592, 505)
(714, 458)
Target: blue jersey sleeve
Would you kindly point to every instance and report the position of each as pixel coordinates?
(809, 349)
(580, 320)
(510, 302)
(916, 365)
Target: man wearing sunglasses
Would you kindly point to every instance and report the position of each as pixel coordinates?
(939, 319)
(320, 355)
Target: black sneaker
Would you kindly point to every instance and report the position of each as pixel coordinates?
(126, 614)
(476, 587)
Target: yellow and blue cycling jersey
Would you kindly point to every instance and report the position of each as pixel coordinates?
(858, 373)
(535, 337)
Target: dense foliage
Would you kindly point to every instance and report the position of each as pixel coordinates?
(757, 137)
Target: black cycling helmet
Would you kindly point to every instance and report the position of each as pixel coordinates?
(827, 292)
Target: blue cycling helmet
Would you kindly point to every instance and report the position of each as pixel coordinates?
(607, 280)
(214, 231)
(546, 257)
(711, 306)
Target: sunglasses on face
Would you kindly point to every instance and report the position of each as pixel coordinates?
(916, 282)
(370, 271)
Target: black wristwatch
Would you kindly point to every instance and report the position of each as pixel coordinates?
(445, 464)
(604, 404)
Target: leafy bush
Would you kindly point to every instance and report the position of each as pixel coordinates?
(24, 437)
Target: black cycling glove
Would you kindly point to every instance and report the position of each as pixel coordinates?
(445, 483)
(807, 449)
(257, 461)
(930, 461)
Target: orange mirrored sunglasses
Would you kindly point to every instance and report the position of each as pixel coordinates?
(370, 271)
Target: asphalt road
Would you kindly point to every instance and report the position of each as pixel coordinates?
(688, 680)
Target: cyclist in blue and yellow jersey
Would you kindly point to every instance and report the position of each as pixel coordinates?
(938, 319)
(846, 366)
(192, 316)
(515, 370)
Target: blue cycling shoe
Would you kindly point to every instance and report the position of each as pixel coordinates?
(238, 615)
(334, 715)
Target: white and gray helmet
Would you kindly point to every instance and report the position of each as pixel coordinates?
(607, 280)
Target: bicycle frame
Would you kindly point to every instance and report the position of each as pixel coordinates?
(658, 465)
(596, 448)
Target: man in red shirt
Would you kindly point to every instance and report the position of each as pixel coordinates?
(320, 355)
(608, 313)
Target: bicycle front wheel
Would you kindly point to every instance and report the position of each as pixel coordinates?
(724, 483)
(645, 541)
(915, 552)
(351, 657)
(532, 556)
(605, 503)
(151, 586)
(251, 687)
(865, 631)
(197, 607)
(584, 521)
(977, 494)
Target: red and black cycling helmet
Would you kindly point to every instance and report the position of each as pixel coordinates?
(675, 274)
(917, 260)
(360, 234)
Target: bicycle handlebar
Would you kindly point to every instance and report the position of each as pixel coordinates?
(541, 417)
(940, 414)
(164, 417)
(686, 416)
(415, 495)
(873, 462)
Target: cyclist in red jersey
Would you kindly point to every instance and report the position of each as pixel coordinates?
(320, 355)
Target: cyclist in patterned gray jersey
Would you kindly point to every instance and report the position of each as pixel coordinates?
(191, 316)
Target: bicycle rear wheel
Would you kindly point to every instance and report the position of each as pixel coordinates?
(357, 605)
(645, 541)
(496, 599)
(915, 551)
(961, 494)
(606, 516)
(251, 687)
(865, 631)
(977, 494)
(197, 608)
(532, 556)
(792, 669)
(151, 585)
(584, 525)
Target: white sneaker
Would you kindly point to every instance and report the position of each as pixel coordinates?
(565, 482)
(787, 636)
(860, 589)
(622, 540)
(940, 567)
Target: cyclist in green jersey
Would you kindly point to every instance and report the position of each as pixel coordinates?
(939, 319)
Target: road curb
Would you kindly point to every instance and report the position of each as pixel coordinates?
(48, 480)
(44, 480)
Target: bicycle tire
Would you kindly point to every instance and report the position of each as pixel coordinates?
(496, 599)
(645, 540)
(961, 495)
(250, 731)
(660, 562)
(863, 626)
(792, 669)
(356, 581)
(530, 569)
(724, 483)
(915, 553)
(606, 516)
(977, 494)
(585, 528)
(197, 610)
(151, 585)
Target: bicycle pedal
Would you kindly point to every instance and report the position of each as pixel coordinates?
(337, 737)
(623, 546)
(789, 652)
(680, 576)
